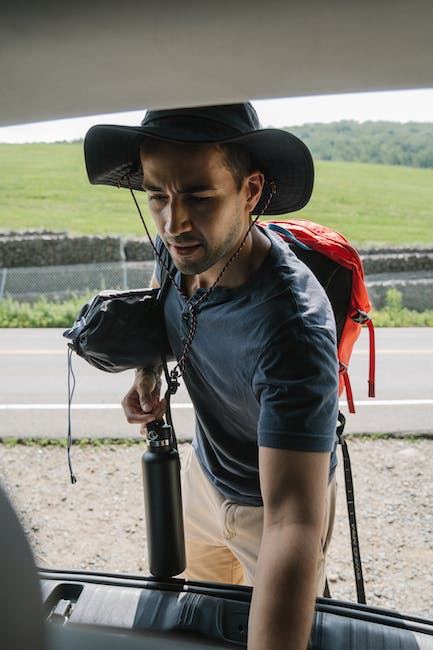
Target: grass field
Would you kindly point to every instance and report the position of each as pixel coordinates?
(44, 186)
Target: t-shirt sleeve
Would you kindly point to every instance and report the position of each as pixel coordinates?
(296, 384)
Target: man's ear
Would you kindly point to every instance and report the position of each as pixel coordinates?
(255, 183)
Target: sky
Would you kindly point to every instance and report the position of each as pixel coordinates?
(395, 106)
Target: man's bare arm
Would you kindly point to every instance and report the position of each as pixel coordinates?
(142, 403)
(293, 486)
(154, 284)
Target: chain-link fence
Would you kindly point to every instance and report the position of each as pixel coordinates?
(60, 282)
(57, 266)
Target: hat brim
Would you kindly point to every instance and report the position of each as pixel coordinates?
(112, 155)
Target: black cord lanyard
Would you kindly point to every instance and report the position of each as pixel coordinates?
(71, 389)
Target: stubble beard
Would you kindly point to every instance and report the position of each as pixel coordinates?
(211, 256)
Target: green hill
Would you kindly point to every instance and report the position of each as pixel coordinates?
(44, 186)
(386, 143)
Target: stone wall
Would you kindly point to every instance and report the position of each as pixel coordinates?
(398, 262)
(55, 249)
(51, 249)
(409, 269)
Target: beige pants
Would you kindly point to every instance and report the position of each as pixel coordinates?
(223, 538)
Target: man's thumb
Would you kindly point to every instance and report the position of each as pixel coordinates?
(146, 405)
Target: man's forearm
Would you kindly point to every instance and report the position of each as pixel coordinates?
(284, 595)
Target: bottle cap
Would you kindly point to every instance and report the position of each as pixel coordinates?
(158, 434)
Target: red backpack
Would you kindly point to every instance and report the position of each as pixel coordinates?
(339, 269)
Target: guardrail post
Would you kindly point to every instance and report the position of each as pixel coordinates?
(3, 283)
(124, 275)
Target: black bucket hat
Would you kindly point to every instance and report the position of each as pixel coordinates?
(112, 152)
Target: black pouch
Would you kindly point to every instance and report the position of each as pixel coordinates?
(121, 330)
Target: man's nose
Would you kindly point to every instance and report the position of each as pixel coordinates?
(178, 220)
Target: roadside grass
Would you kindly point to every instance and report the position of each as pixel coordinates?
(393, 314)
(44, 186)
(43, 313)
(10, 441)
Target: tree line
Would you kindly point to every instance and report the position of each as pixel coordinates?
(388, 143)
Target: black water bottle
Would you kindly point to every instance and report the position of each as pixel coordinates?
(163, 502)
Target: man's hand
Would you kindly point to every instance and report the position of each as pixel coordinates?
(142, 403)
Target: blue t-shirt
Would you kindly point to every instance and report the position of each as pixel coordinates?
(262, 370)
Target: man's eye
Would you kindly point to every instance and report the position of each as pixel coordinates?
(157, 197)
(200, 199)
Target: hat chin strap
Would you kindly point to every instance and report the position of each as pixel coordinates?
(194, 306)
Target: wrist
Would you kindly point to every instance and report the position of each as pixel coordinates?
(150, 371)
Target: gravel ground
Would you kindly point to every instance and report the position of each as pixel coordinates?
(98, 523)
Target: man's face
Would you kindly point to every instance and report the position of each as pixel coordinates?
(198, 210)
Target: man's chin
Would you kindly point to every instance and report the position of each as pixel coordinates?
(189, 267)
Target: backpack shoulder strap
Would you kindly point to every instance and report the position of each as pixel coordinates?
(338, 267)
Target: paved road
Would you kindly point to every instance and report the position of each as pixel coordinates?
(33, 388)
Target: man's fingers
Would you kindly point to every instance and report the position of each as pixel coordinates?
(141, 404)
(137, 412)
(159, 409)
(143, 430)
(132, 408)
(157, 414)
(146, 399)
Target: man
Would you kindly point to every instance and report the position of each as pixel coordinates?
(257, 335)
